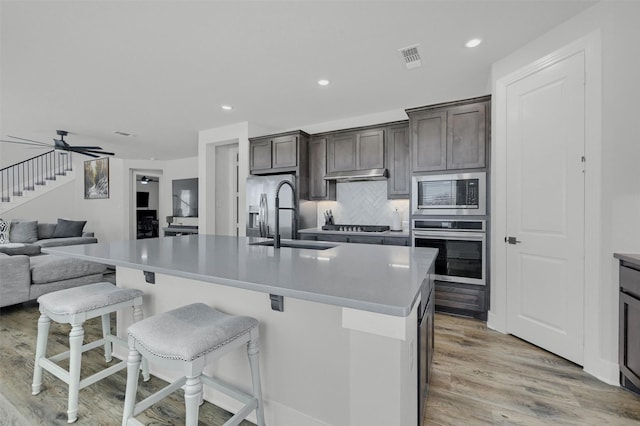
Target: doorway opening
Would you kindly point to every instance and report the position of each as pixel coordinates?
(226, 189)
(147, 205)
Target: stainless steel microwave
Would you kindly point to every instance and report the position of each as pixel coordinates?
(450, 194)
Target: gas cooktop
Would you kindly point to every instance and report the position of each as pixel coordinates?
(356, 228)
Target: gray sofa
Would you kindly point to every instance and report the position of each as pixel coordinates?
(24, 278)
(26, 274)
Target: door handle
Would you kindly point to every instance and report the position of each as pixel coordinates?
(511, 240)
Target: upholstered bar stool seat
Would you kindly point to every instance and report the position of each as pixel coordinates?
(188, 339)
(74, 306)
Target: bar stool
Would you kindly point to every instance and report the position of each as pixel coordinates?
(187, 339)
(74, 306)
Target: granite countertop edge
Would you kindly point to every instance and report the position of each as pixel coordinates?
(128, 254)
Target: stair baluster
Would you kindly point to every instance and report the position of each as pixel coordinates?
(25, 175)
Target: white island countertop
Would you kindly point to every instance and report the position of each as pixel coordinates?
(374, 278)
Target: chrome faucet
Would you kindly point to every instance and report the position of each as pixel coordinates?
(294, 209)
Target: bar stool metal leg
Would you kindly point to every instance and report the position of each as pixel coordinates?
(44, 322)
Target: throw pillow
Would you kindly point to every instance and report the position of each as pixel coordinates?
(68, 228)
(46, 230)
(4, 231)
(23, 232)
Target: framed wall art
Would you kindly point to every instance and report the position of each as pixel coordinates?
(96, 179)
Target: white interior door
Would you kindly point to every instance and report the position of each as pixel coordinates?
(545, 208)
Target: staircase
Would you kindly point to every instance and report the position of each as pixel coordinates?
(30, 178)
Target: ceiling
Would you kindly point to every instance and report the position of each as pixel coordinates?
(161, 70)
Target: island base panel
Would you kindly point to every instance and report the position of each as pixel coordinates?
(314, 370)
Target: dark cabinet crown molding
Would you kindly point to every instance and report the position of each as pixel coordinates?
(449, 104)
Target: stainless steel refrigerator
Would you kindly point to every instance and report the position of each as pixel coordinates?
(261, 196)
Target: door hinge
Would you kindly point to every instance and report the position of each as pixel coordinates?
(511, 240)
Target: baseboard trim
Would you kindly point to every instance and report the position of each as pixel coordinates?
(605, 371)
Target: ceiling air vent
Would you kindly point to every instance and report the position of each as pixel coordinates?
(411, 56)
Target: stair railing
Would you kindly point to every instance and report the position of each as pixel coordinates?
(25, 175)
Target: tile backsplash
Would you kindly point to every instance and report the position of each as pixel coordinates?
(363, 203)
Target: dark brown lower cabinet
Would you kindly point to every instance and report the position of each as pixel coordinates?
(462, 299)
(629, 349)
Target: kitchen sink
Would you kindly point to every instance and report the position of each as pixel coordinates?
(310, 245)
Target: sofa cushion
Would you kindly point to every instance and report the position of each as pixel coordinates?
(68, 228)
(20, 248)
(49, 268)
(46, 230)
(71, 241)
(23, 231)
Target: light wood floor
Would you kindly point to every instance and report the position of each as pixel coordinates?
(480, 377)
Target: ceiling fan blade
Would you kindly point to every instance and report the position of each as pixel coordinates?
(85, 153)
(75, 149)
(86, 147)
(29, 140)
(28, 143)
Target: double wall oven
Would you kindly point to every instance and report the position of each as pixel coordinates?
(449, 214)
(462, 248)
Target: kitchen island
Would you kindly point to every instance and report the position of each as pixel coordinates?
(343, 351)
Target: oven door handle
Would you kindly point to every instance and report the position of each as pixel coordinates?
(468, 236)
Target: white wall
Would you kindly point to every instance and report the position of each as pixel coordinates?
(619, 208)
(111, 219)
(104, 216)
(358, 121)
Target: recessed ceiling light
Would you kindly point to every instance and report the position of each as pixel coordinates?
(323, 82)
(226, 107)
(473, 42)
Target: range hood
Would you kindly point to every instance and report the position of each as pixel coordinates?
(357, 175)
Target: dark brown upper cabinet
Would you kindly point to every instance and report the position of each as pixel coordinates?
(281, 153)
(319, 188)
(260, 155)
(370, 150)
(399, 183)
(450, 136)
(358, 150)
(341, 152)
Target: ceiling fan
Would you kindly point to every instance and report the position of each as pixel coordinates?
(62, 145)
(145, 180)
